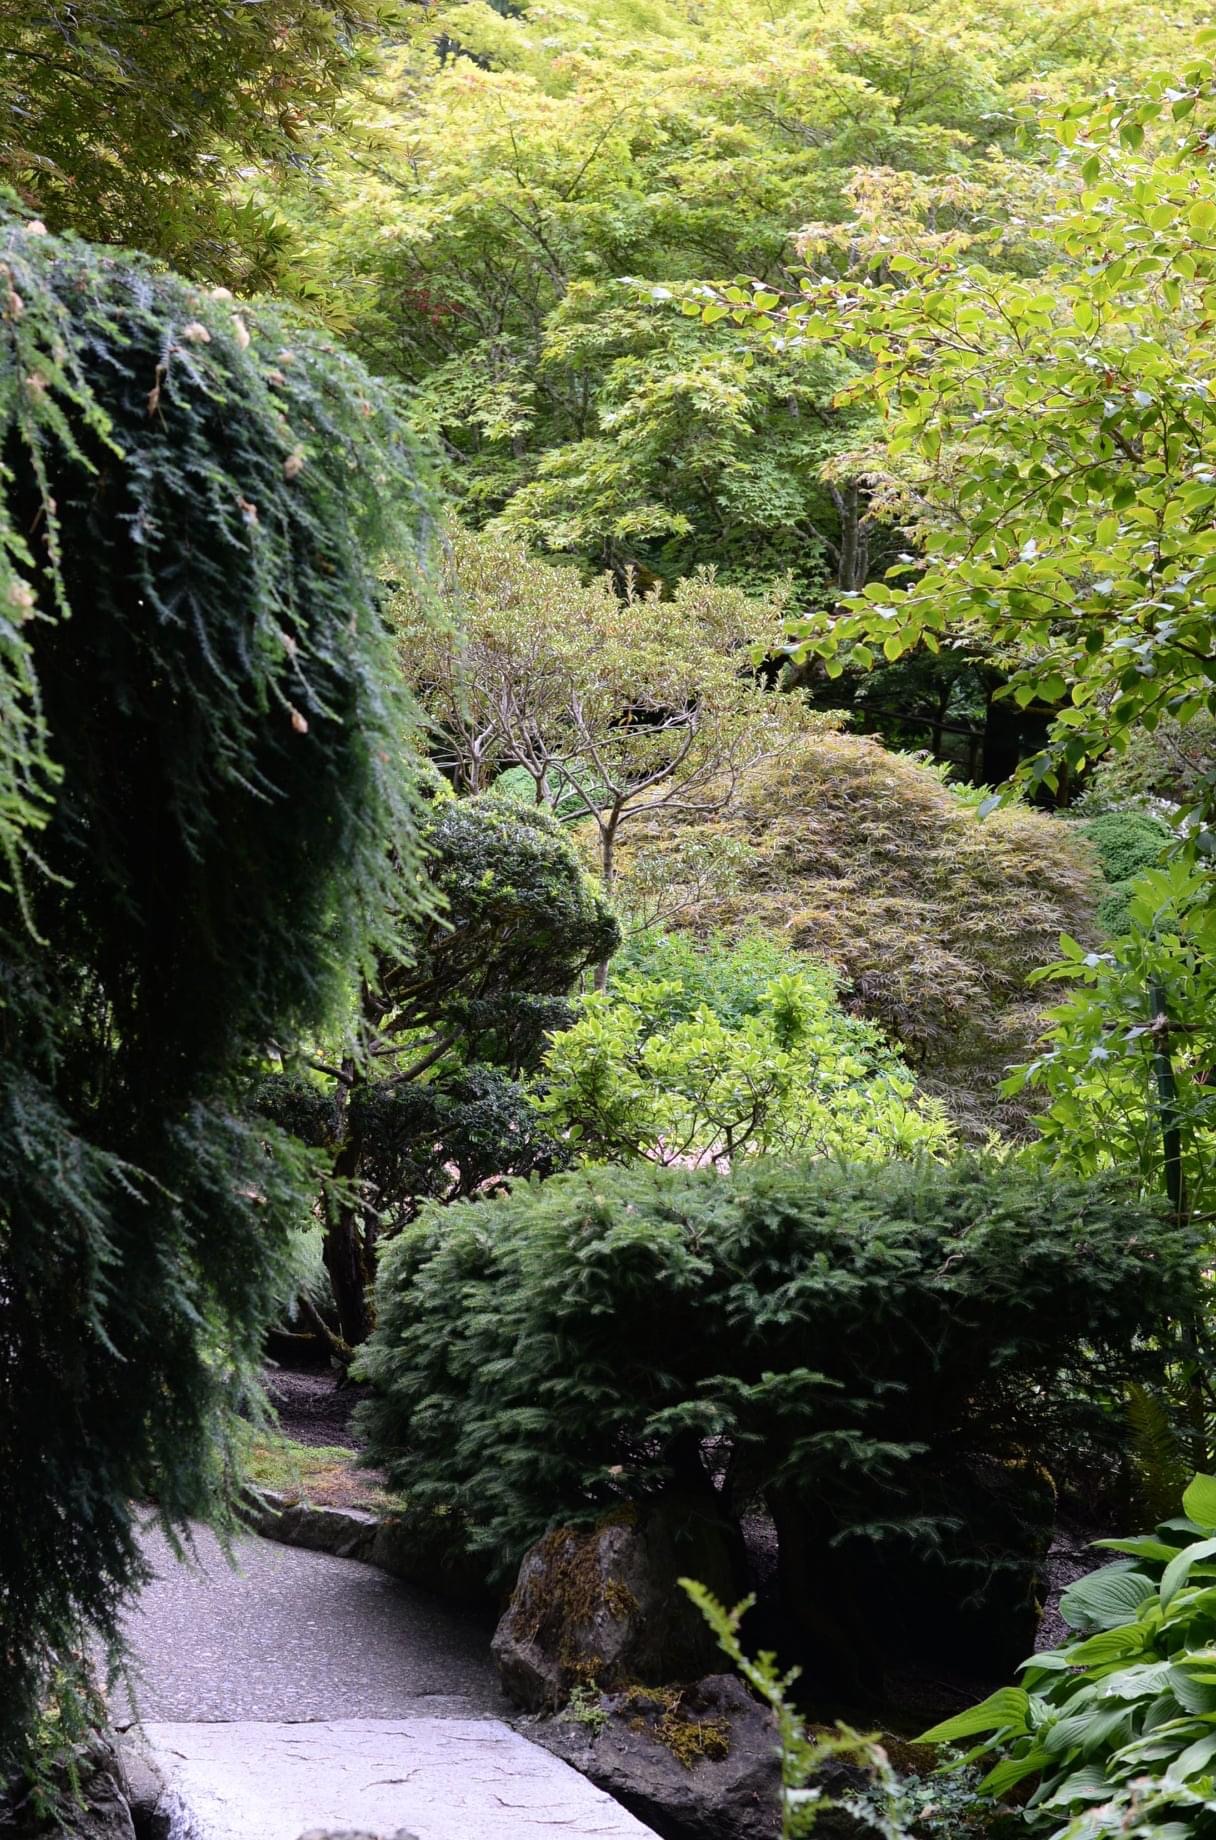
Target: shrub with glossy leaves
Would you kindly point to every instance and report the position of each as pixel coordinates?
(1116, 1728)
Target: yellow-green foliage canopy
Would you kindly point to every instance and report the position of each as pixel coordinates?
(869, 860)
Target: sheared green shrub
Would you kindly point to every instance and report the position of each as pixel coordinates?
(839, 1340)
(1118, 1725)
(1127, 843)
(205, 808)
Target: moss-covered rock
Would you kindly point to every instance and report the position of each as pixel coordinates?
(601, 1606)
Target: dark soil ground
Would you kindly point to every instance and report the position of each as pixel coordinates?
(1070, 1558)
(313, 1408)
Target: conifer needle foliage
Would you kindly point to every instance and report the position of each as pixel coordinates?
(204, 815)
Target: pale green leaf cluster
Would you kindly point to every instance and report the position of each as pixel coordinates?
(748, 1054)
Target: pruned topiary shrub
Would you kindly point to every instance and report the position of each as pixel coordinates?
(885, 1355)
(1127, 843)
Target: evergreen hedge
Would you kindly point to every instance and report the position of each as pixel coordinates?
(203, 816)
(830, 1338)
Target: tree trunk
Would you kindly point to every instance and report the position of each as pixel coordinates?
(608, 876)
(345, 1251)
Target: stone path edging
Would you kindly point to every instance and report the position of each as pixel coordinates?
(291, 1692)
(347, 1533)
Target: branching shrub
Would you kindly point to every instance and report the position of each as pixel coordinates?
(704, 1056)
(837, 1339)
(935, 917)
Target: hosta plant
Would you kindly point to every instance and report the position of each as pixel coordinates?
(1117, 1727)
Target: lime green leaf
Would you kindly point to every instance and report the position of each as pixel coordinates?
(1007, 1709)
(1199, 1501)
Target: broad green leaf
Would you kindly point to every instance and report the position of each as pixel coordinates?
(1199, 1501)
(1106, 1598)
(1179, 1569)
(1195, 1758)
(1006, 1709)
(1012, 1770)
(1143, 1546)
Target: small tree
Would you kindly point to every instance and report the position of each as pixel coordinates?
(425, 1102)
(616, 708)
(854, 1343)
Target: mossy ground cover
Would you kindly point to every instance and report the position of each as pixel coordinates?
(323, 1474)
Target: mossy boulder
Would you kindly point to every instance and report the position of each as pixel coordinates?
(696, 1762)
(601, 1606)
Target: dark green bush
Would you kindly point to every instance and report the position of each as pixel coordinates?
(1126, 842)
(834, 1339)
(204, 799)
(450, 1018)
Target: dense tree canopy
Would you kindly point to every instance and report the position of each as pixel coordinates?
(127, 120)
(1048, 445)
(506, 188)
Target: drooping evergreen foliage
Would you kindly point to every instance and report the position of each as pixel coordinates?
(847, 1342)
(203, 762)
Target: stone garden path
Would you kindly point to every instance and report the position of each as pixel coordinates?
(301, 1691)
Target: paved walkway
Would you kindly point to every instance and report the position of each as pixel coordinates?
(302, 1691)
(298, 1635)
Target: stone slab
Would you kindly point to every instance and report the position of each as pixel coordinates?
(433, 1778)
